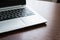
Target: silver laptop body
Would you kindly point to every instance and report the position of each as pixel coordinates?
(11, 19)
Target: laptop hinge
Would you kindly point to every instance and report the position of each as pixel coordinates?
(12, 8)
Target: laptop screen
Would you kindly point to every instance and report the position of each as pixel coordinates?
(6, 3)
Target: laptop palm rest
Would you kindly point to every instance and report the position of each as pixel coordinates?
(18, 23)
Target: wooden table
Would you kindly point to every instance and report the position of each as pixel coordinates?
(51, 31)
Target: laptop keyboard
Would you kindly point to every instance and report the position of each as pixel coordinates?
(16, 13)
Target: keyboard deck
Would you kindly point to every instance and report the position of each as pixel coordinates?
(27, 18)
(16, 13)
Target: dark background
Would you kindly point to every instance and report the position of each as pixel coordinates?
(58, 1)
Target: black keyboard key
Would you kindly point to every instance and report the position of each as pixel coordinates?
(16, 13)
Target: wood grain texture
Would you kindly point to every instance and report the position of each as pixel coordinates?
(51, 31)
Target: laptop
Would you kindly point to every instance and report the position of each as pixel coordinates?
(14, 14)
